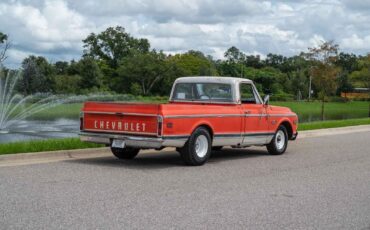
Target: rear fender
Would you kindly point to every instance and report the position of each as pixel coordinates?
(204, 123)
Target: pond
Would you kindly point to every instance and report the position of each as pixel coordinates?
(40, 129)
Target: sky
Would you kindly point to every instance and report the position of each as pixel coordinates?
(55, 28)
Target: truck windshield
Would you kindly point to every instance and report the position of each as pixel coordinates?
(202, 92)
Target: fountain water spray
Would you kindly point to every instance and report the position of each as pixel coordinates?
(15, 107)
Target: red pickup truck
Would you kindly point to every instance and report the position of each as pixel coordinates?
(203, 114)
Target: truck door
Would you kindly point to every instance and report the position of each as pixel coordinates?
(255, 116)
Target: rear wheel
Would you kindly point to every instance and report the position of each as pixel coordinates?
(197, 149)
(279, 142)
(127, 153)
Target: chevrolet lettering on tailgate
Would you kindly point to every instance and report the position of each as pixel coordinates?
(119, 125)
(204, 114)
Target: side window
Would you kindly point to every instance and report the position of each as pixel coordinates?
(247, 95)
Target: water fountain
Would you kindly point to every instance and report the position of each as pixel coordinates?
(15, 107)
(16, 110)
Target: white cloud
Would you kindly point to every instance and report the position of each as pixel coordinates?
(357, 43)
(55, 28)
(47, 30)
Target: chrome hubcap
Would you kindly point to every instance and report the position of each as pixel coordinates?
(201, 146)
(280, 140)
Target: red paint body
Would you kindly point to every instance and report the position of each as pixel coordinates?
(204, 114)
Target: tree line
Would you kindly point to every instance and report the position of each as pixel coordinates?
(115, 61)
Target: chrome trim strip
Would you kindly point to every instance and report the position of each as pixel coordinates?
(256, 115)
(261, 133)
(258, 134)
(203, 115)
(122, 114)
(282, 115)
(175, 136)
(228, 115)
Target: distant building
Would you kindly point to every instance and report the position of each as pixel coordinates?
(356, 93)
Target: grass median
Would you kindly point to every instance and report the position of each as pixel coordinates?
(45, 145)
(75, 143)
(333, 124)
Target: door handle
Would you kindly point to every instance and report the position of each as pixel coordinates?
(247, 111)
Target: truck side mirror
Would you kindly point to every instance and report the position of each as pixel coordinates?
(266, 99)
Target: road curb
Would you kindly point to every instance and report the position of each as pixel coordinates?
(61, 155)
(333, 131)
(51, 156)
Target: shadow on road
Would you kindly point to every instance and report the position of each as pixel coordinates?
(170, 159)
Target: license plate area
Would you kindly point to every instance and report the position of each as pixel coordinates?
(116, 143)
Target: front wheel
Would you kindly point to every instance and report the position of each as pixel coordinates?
(197, 149)
(279, 142)
(127, 153)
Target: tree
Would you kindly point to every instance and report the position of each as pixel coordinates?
(144, 69)
(61, 67)
(275, 60)
(323, 69)
(233, 65)
(112, 45)
(90, 73)
(38, 75)
(67, 84)
(253, 61)
(29, 72)
(193, 63)
(4, 46)
(347, 62)
(362, 77)
(234, 55)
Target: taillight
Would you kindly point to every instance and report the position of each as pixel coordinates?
(160, 125)
(81, 121)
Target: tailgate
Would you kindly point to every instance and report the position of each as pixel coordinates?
(124, 118)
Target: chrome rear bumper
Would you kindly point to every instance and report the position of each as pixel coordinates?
(134, 141)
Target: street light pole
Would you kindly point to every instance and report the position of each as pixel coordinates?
(309, 89)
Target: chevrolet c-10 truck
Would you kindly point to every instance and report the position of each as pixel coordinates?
(203, 114)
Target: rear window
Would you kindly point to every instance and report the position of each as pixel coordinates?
(202, 92)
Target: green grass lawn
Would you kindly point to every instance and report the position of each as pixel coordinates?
(333, 124)
(70, 111)
(311, 111)
(45, 145)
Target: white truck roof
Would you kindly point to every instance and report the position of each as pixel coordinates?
(216, 79)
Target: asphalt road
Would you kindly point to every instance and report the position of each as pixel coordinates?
(319, 183)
